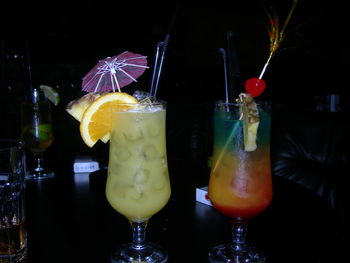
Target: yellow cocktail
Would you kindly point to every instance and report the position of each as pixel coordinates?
(138, 183)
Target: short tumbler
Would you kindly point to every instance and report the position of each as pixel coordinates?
(13, 240)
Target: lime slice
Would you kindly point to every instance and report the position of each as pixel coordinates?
(51, 94)
(45, 127)
(42, 131)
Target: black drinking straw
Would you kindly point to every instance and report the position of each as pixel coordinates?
(158, 64)
(232, 66)
(160, 54)
(29, 68)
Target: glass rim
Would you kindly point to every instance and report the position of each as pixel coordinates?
(28, 102)
(7, 144)
(158, 103)
(258, 102)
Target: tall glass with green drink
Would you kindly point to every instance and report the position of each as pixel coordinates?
(138, 183)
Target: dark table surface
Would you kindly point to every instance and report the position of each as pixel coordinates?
(70, 220)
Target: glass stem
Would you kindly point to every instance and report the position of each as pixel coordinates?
(138, 234)
(239, 234)
(38, 161)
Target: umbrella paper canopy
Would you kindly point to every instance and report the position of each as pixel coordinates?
(113, 73)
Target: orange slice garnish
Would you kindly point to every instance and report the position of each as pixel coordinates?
(97, 119)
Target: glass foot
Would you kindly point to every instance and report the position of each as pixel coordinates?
(226, 253)
(40, 174)
(150, 253)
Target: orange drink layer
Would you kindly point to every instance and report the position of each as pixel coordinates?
(240, 184)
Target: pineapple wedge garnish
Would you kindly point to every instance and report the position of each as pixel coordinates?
(250, 117)
(77, 107)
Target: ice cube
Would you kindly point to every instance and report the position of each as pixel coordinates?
(240, 186)
(141, 176)
(154, 131)
(121, 154)
(134, 193)
(138, 117)
(133, 136)
(143, 96)
(140, 179)
(164, 163)
(150, 152)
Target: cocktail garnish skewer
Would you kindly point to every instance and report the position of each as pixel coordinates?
(255, 86)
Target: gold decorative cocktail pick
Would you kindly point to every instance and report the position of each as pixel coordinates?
(256, 86)
(276, 35)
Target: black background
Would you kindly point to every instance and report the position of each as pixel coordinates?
(63, 40)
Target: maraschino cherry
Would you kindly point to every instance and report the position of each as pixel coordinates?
(255, 86)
